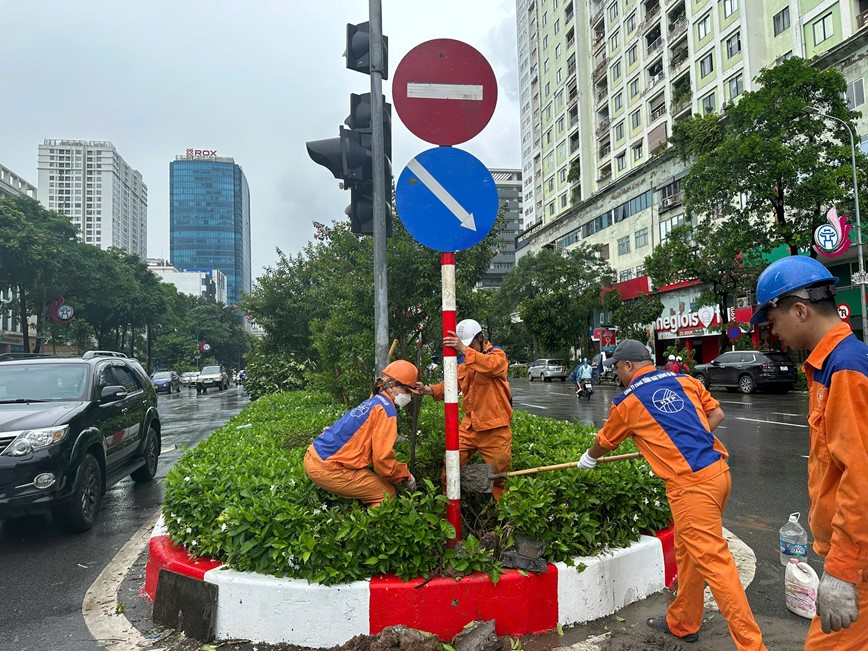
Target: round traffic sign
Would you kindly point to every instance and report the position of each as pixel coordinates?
(444, 91)
(844, 311)
(446, 199)
(734, 332)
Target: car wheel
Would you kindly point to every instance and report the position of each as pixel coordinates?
(151, 454)
(563, 379)
(702, 379)
(546, 379)
(746, 384)
(80, 513)
(529, 377)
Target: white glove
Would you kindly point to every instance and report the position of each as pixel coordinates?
(587, 461)
(837, 603)
(411, 483)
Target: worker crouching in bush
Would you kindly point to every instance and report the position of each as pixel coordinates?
(340, 459)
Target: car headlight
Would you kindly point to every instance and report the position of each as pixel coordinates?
(29, 440)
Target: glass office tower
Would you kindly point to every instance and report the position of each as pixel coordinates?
(209, 219)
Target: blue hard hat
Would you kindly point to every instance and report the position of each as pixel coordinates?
(787, 275)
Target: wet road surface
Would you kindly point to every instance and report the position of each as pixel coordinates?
(45, 572)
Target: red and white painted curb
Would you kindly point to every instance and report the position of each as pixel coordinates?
(272, 610)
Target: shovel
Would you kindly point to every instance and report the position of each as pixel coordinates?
(478, 478)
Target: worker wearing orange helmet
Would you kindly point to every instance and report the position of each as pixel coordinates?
(487, 401)
(340, 460)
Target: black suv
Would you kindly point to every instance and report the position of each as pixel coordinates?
(748, 370)
(69, 429)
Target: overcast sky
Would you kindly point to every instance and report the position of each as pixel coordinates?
(253, 79)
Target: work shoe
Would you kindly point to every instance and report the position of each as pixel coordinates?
(660, 624)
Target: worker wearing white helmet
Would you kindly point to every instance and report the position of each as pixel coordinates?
(670, 364)
(487, 406)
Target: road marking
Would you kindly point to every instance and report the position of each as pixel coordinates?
(783, 413)
(721, 427)
(440, 192)
(419, 90)
(99, 608)
(527, 404)
(167, 448)
(771, 422)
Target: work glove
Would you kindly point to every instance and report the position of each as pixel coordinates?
(411, 483)
(587, 461)
(837, 603)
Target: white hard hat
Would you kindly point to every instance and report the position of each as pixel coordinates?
(467, 330)
(678, 359)
(672, 358)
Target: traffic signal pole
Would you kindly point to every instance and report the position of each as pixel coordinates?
(381, 298)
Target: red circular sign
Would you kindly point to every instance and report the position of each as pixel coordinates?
(844, 311)
(444, 91)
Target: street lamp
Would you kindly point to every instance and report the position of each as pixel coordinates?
(858, 278)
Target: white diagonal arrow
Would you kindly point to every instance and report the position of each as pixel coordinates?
(440, 192)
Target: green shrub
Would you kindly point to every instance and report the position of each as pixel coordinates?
(517, 370)
(269, 373)
(242, 497)
(802, 380)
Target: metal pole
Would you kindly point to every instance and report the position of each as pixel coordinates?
(378, 149)
(450, 397)
(860, 281)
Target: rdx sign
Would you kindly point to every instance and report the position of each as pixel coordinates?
(201, 153)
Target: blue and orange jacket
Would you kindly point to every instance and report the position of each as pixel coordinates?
(837, 372)
(365, 436)
(482, 380)
(666, 414)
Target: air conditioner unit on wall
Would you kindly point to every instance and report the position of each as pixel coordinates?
(742, 302)
(666, 202)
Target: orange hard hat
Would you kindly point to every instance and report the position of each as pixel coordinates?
(404, 372)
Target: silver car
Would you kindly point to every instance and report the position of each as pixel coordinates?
(547, 370)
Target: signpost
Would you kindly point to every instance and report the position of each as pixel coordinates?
(445, 92)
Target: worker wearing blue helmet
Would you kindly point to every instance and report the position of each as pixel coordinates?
(796, 296)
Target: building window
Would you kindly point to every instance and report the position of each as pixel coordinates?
(545, 19)
(634, 87)
(708, 103)
(736, 87)
(635, 119)
(548, 91)
(613, 42)
(619, 131)
(625, 275)
(631, 22)
(563, 201)
(637, 152)
(559, 75)
(781, 20)
(557, 26)
(855, 94)
(613, 11)
(823, 29)
(562, 175)
(733, 45)
(620, 162)
(729, 6)
(631, 55)
(616, 71)
(640, 270)
(557, 51)
(641, 238)
(703, 27)
(706, 64)
(617, 102)
(551, 208)
(667, 225)
(624, 245)
(546, 65)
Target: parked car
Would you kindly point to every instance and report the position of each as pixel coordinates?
(189, 378)
(547, 370)
(69, 429)
(167, 381)
(749, 370)
(212, 376)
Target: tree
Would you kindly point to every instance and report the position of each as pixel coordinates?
(555, 292)
(633, 315)
(767, 165)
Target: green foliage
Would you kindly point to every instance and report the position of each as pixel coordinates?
(802, 379)
(272, 374)
(517, 370)
(633, 316)
(675, 348)
(242, 497)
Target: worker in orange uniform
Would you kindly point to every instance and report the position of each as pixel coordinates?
(340, 459)
(796, 296)
(487, 401)
(671, 418)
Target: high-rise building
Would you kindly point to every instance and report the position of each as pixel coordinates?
(209, 218)
(603, 81)
(90, 183)
(508, 183)
(202, 284)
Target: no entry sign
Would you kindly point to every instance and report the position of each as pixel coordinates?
(444, 91)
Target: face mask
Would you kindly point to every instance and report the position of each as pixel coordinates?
(403, 399)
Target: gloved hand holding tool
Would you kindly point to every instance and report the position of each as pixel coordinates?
(837, 603)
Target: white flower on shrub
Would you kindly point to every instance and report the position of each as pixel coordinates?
(223, 527)
(189, 530)
(187, 478)
(635, 517)
(324, 507)
(656, 502)
(194, 543)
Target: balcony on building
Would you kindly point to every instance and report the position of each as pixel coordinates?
(573, 118)
(571, 68)
(601, 62)
(601, 92)
(574, 143)
(670, 196)
(605, 149)
(569, 14)
(656, 108)
(598, 39)
(650, 14)
(677, 20)
(654, 41)
(681, 96)
(605, 173)
(571, 37)
(598, 9)
(678, 61)
(572, 96)
(655, 75)
(603, 123)
(658, 138)
(862, 18)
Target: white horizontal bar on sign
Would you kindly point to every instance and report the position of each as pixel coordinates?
(444, 91)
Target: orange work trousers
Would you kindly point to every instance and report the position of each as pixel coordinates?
(493, 445)
(356, 484)
(854, 638)
(702, 556)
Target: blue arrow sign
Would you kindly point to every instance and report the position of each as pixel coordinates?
(446, 199)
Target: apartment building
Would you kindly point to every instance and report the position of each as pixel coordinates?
(602, 82)
(89, 182)
(509, 197)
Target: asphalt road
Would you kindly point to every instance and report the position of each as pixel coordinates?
(767, 438)
(45, 572)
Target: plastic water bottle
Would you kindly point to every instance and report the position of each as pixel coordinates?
(800, 586)
(794, 540)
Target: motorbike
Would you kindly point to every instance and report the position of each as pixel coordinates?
(585, 389)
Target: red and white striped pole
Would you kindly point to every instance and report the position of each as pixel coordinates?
(450, 396)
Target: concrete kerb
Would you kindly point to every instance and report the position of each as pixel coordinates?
(275, 610)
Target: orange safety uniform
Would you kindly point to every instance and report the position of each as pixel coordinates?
(837, 372)
(666, 414)
(340, 458)
(487, 405)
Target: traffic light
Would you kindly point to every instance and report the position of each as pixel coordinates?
(359, 49)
